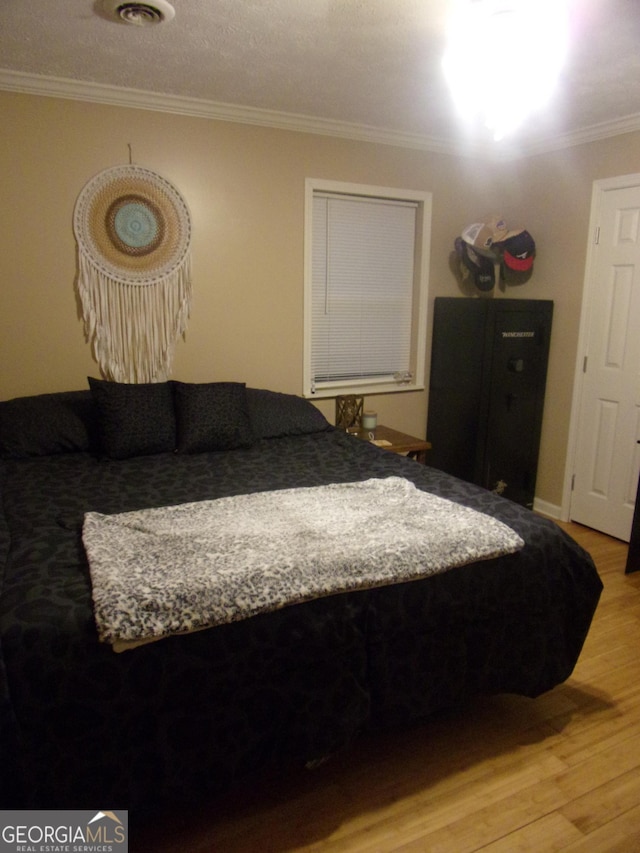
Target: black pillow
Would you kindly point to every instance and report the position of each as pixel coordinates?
(135, 419)
(211, 416)
(274, 414)
(46, 424)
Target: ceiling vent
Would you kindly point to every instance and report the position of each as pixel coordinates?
(139, 14)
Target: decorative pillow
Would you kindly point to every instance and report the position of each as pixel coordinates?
(274, 414)
(135, 419)
(46, 424)
(212, 416)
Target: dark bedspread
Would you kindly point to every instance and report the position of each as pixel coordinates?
(83, 727)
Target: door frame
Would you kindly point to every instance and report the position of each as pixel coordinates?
(599, 188)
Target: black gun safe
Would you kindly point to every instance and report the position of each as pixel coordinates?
(486, 395)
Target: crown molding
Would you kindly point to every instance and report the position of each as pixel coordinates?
(78, 90)
(592, 133)
(60, 87)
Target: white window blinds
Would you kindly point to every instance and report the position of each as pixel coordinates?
(362, 288)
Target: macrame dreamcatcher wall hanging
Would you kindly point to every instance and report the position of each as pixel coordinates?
(133, 231)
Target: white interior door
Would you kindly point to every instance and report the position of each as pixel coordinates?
(607, 453)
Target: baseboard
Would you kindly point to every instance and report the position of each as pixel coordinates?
(545, 508)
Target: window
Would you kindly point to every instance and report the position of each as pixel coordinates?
(366, 278)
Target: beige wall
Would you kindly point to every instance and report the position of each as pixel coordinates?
(245, 188)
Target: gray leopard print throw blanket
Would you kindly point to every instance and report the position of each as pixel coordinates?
(172, 570)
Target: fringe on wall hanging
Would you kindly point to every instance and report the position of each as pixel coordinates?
(133, 231)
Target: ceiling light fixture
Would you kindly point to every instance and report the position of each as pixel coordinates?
(504, 57)
(139, 14)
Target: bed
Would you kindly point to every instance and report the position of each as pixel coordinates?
(191, 713)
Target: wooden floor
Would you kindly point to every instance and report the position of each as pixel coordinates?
(560, 772)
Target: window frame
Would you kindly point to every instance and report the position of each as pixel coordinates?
(423, 202)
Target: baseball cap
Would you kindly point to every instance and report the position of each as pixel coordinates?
(482, 235)
(481, 267)
(518, 251)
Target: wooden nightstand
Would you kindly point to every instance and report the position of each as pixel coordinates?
(398, 442)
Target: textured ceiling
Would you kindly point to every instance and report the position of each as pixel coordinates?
(359, 65)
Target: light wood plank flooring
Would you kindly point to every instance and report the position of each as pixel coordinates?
(502, 774)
